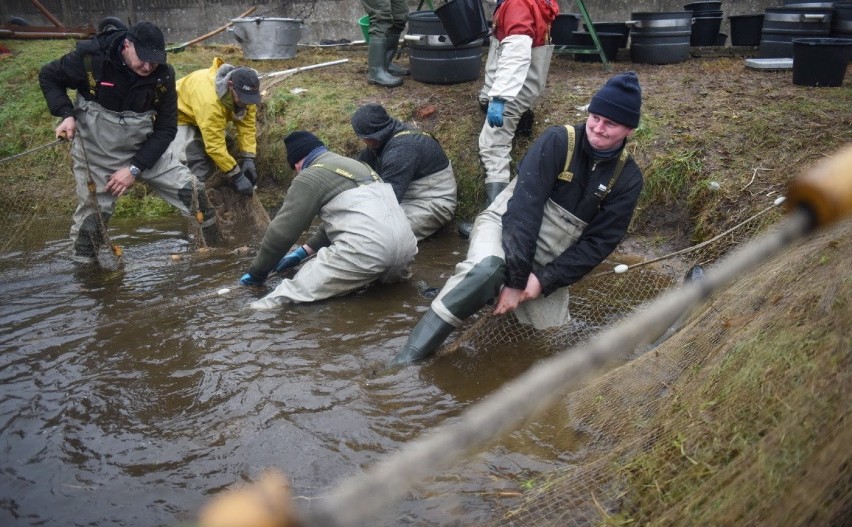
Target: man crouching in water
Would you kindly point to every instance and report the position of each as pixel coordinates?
(364, 236)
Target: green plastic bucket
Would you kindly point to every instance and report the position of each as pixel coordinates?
(364, 22)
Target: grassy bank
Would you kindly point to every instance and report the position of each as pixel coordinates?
(716, 139)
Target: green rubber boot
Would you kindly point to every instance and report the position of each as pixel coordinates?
(393, 69)
(376, 58)
(425, 339)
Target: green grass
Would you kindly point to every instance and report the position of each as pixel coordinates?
(680, 146)
(668, 177)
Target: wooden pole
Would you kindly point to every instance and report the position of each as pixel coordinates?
(181, 47)
(53, 20)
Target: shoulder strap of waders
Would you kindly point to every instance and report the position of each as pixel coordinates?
(622, 160)
(565, 175)
(414, 132)
(340, 172)
(619, 167)
(89, 66)
(600, 194)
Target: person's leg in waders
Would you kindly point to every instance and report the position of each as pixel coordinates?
(399, 13)
(476, 282)
(381, 25)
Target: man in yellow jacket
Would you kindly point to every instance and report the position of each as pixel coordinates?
(208, 100)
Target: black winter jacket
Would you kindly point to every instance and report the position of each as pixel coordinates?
(404, 157)
(118, 89)
(607, 219)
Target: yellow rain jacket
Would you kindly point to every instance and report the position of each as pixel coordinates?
(200, 105)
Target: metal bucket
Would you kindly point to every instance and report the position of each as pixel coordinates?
(267, 38)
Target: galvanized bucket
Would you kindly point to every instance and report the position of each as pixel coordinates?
(267, 38)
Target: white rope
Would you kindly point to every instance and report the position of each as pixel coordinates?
(696, 246)
(359, 497)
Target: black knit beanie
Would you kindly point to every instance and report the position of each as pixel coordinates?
(369, 120)
(620, 100)
(299, 144)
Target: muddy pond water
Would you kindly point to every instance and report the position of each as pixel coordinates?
(130, 397)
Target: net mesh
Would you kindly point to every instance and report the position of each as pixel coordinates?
(643, 438)
(38, 212)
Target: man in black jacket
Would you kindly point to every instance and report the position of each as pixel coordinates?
(123, 121)
(414, 164)
(568, 208)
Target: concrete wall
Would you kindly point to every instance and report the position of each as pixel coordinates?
(183, 20)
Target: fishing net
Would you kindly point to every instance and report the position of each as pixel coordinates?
(37, 210)
(608, 295)
(731, 416)
(653, 451)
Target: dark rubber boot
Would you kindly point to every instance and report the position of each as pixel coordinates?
(425, 339)
(525, 125)
(492, 190)
(393, 69)
(376, 57)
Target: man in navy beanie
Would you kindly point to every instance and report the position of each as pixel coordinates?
(566, 210)
(363, 237)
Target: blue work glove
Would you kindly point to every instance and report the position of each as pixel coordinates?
(249, 169)
(251, 280)
(242, 184)
(495, 112)
(291, 259)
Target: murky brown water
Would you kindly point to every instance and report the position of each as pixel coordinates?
(130, 397)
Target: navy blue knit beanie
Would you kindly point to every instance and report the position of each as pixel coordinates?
(620, 100)
(299, 144)
(370, 120)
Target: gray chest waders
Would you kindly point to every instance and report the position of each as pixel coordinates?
(370, 241)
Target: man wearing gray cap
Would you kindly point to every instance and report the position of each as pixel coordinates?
(208, 101)
(566, 210)
(123, 121)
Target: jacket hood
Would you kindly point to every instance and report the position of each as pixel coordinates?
(372, 121)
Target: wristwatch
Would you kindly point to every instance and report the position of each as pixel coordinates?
(134, 170)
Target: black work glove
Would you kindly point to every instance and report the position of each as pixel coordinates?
(249, 169)
(242, 184)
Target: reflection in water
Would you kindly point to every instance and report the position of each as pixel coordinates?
(130, 396)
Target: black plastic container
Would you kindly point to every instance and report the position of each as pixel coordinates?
(745, 29)
(820, 61)
(705, 30)
(782, 24)
(463, 20)
(433, 57)
(660, 37)
(609, 44)
(562, 29)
